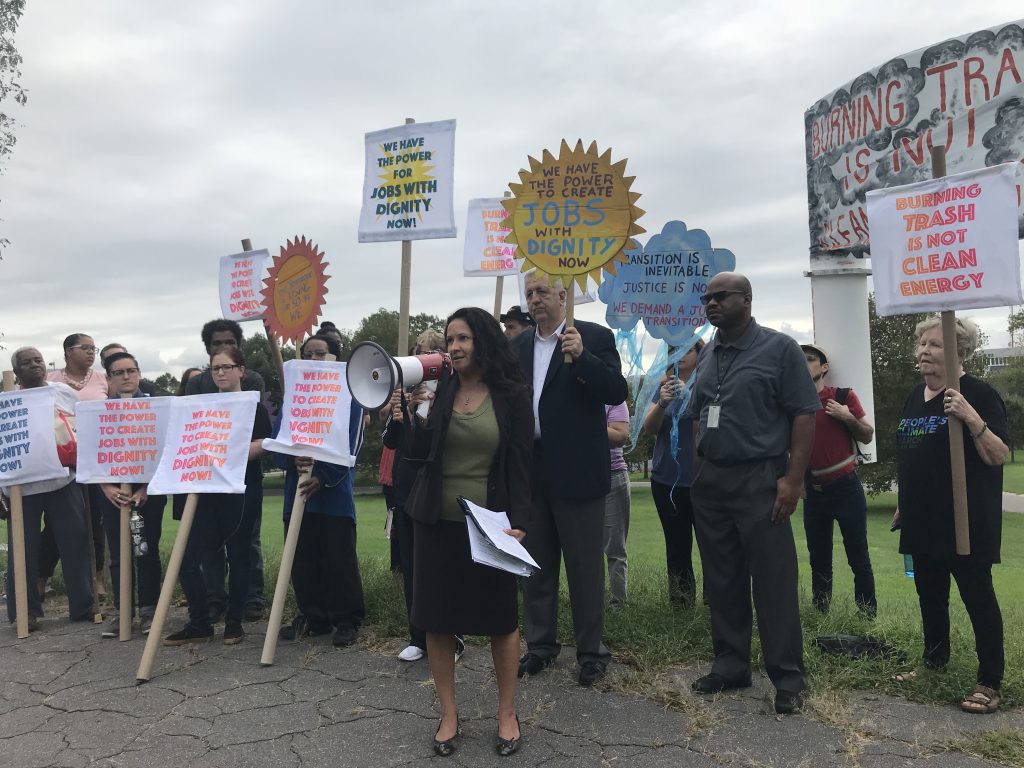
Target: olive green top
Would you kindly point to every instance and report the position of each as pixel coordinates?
(468, 452)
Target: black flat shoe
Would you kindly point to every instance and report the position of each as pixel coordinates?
(506, 747)
(448, 746)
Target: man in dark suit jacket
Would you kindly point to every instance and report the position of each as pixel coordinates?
(570, 476)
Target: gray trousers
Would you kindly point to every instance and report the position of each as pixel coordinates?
(65, 516)
(740, 547)
(616, 529)
(575, 530)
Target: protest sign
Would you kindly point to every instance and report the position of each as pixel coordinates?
(315, 413)
(486, 253)
(241, 280)
(294, 291)
(207, 444)
(120, 439)
(572, 215)
(408, 185)
(661, 284)
(28, 448)
(949, 243)
(963, 94)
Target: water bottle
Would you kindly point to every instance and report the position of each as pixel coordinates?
(908, 565)
(136, 525)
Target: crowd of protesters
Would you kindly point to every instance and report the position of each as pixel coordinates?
(531, 420)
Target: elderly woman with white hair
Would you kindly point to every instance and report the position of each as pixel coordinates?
(925, 511)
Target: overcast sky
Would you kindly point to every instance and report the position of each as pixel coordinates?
(158, 135)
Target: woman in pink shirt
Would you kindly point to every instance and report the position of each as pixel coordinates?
(88, 384)
(78, 373)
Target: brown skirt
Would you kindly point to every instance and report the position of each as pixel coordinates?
(452, 595)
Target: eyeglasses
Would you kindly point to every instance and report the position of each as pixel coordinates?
(84, 347)
(718, 296)
(125, 372)
(223, 368)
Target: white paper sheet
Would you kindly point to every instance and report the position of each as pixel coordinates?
(490, 545)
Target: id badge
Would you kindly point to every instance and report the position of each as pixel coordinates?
(714, 412)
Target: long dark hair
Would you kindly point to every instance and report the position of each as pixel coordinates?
(492, 354)
(184, 379)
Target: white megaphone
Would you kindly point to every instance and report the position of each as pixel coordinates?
(373, 374)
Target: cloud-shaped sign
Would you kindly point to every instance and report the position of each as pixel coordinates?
(661, 283)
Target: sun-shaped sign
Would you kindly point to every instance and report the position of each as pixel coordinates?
(294, 291)
(573, 215)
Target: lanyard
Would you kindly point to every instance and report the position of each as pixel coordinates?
(723, 374)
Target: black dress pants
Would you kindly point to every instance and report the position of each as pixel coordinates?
(325, 573)
(974, 580)
(675, 510)
(746, 555)
(147, 577)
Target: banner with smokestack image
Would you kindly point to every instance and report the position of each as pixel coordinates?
(965, 94)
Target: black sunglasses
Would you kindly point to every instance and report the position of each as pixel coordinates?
(717, 296)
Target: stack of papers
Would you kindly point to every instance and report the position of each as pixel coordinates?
(490, 545)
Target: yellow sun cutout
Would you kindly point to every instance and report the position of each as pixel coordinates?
(408, 183)
(573, 215)
(294, 291)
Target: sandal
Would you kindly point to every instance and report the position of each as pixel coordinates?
(907, 677)
(983, 701)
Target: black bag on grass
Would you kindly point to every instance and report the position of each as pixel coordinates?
(859, 647)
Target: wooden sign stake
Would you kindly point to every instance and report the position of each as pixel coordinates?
(405, 290)
(155, 638)
(127, 561)
(497, 296)
(570, 305)
(956, 427)
(17, 523)
(284, 572)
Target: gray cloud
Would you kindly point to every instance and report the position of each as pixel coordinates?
(157, 136)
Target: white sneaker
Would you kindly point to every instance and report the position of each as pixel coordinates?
(411, 653)
(112, 626)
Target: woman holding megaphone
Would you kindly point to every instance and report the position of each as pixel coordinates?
(476, 443)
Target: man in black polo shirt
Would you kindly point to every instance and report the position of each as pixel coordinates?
(218, 335)
(755, 401)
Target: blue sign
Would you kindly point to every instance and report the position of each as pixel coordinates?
(662, 283)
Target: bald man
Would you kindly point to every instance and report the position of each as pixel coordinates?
(755, 402)
(61, 502)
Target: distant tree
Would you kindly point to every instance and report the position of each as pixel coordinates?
(258, 358)
(894, 374)
(11, 89)
(1015, 327)
(1009, 382)
(382, 327)
(10, 73)
(166, 384)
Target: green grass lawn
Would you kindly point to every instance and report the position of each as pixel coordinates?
(648, 635)
(1013, 474)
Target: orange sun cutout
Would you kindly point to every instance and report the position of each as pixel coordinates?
(294, 291)
(574, 214)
